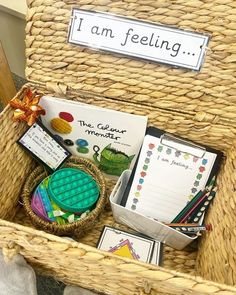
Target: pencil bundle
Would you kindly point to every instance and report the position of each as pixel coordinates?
(187, 221)
(190, 228)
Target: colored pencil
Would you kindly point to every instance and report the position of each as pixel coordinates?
(211, 183)
(199, 201)
(194, 228)
(194, 200)
(188, 206)
(197, 214)
(181, 224)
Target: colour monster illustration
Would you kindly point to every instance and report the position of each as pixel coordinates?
(112, 161)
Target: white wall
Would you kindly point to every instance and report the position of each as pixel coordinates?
(12, 33)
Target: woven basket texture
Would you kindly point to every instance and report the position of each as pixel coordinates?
(78, 228)
(207, 96)
(199, 106)
(206, 260)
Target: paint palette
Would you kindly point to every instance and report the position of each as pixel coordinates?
(73, 190)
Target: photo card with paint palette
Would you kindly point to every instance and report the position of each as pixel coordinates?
(168, 173)
(130, 245)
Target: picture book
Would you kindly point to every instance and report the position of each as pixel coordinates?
(168, 173)
(110, 138)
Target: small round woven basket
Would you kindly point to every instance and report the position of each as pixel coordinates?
(80, 227)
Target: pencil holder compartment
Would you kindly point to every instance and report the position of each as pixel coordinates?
(81, 226)
(150, 227)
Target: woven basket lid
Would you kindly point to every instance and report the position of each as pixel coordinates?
(208, 96)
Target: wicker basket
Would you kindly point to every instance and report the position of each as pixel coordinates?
(200, 106)
(80, 227)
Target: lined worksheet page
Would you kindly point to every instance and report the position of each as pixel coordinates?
(166, 179)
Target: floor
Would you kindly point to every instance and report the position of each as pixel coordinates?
(48, 286)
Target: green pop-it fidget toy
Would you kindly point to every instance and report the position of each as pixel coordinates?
(73, 189)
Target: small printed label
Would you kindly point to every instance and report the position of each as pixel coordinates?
(144, 40)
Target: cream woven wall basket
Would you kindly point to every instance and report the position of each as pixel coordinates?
(200, 106)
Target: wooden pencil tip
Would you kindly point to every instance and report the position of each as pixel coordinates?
(208, 226)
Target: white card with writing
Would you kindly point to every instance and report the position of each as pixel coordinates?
(166, 179)
(40, 143)
(136, 38)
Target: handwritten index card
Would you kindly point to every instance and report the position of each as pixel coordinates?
(39, 142)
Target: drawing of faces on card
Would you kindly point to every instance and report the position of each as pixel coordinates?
(126, 245)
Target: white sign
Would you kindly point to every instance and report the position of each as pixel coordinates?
(138, 39)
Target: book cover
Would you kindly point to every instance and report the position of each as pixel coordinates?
(110, 138)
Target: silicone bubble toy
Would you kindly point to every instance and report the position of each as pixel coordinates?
(73, 190)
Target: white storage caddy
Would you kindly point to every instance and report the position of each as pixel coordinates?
(150, 227)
